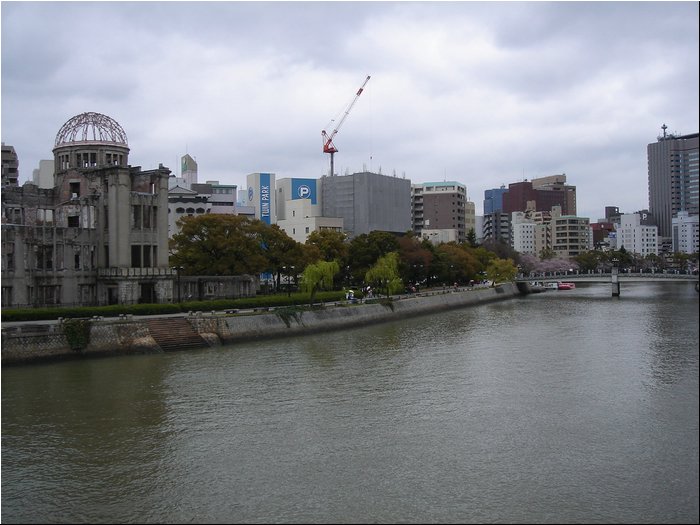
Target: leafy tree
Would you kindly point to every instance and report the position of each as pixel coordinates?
(501, 270)
(471, 238)
(588, 261)
(279, 248)
(366, 249)
(332, 245)
(218, 244)
(415, 259)
(318, 276)
(456, 263)
(385, 274)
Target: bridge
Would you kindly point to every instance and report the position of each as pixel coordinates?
(614, 278)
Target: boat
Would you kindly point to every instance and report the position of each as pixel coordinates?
(565, 286)
(552, 286)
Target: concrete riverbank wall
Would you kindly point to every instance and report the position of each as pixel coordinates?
(33, 342)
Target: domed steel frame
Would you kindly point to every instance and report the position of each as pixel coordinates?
(91, 128)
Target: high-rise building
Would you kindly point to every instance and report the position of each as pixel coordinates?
(541, 195)
(441, 210)
(673, 178)
(10, 166)
(368, 202)
(493, 200)
(686, 237)
(299, 208)
(43, 175)
(637, 234)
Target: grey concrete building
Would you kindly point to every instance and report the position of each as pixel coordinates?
(368, 202)
(673, 178)
(99, 236)
(10, 166)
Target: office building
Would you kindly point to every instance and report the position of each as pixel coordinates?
(541, 194)
(637, 234)
(686, 238)
(673, 178)
(10, 166)
(368, 202)
(441, 211)
(299, 210)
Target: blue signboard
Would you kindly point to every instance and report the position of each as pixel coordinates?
(304, 189)
(265, 196)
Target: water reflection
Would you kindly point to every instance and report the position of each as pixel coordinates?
(559, 407)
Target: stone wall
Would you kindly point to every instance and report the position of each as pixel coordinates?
(24, 342)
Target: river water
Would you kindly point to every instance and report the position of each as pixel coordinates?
(566, 406)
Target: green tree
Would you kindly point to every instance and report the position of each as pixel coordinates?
(332, 245)
(471, 238)
(415, 259)
(366, 249)
(457, 264)
(385, 274)
(501, 270)
(588, 260)
(318, 276)
(218, 244)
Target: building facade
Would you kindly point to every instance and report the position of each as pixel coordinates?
(541, 194)
(10, 166)
(686, 237)
(438, 206)
(99, 236)
(636, 234)
(368, 202)
(673, 178)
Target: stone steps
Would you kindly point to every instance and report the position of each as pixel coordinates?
(174, 333)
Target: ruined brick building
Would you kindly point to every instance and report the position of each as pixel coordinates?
(99, 236)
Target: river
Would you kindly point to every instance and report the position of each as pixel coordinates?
(565, 406)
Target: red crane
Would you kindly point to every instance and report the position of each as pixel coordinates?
(328, 146)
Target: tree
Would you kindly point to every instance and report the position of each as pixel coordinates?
(588, 261)
(471, 238)
(415, 259)
(218, 244)
(456, 263)
(385, 274)
(366, 249)
(318, 276)
(501, 270)
(332, 244)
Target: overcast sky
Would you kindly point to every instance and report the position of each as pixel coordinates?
(482, 93)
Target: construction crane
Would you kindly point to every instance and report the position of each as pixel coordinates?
(328, 146)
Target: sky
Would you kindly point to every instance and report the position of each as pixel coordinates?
(482, 93)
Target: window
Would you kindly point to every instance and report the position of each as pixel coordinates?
(73, 221)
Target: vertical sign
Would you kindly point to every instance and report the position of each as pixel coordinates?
(265, 197)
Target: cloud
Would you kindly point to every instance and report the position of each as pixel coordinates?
(483, 93)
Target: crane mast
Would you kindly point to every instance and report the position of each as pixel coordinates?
(328, 146)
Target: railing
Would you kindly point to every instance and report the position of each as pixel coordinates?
(606, 276)
(136, 272)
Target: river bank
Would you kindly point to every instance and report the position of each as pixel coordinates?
(24, 343)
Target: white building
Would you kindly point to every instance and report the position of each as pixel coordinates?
(523, 233)
(43, 175)
(686, 238)
(261, 195)
(299, 208)
(635, 236)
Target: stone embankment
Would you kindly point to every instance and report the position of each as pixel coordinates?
(32, 342)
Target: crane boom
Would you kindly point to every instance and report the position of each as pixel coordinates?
(328, 146)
